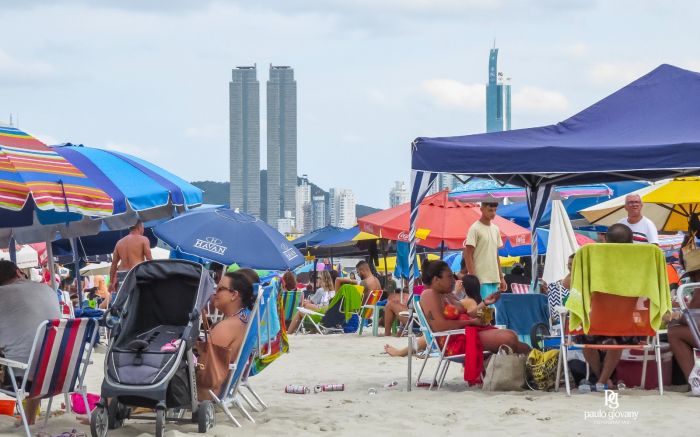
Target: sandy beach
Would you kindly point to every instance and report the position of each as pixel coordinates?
(360, 365)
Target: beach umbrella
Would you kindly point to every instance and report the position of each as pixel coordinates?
(140, 189)
(25, 257)
(495, 192)
(42, 194)
(669, 204)
(442, 222)
(314, 238)
(560, 244)
(228, 237)
(347, 237)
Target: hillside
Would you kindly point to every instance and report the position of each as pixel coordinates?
(218, 193)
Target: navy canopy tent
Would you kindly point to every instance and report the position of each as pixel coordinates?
(314, 238)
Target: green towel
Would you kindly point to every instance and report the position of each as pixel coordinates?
(352, 302)
(637, 270)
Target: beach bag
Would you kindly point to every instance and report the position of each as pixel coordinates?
(505, 371)
(212, 361)
(541, 369)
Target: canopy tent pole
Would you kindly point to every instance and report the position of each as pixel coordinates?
(420, 184)
(537, 196)
(50, 265)
(12, 248)
(442, 249)
(76, 268)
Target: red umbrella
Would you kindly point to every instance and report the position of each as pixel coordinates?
(439, 220)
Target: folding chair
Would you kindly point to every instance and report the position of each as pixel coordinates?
(612, 315)
(370, 311)
(433, 349)
(57, 364)
(520, 288)
(684, 295)
(230, 395)
(335, 312)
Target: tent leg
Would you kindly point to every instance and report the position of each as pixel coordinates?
(51, 266)
(12, 248)
(76, 266)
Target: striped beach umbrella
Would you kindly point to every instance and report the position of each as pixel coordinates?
(40, 188)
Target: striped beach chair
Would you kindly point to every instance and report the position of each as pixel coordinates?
(520, 288)
(370, 311)
(57, 364)
(290, 301)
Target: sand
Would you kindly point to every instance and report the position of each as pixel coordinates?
(359, 364)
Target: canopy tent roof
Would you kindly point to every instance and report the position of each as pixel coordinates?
(646, 130)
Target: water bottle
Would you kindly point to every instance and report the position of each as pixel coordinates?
(621, 385)
(694, 379)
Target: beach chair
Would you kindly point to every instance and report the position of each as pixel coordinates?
(612, 315)
(370, 311)
(684, 295)
(433, 349)
(347, 300)
(57, 364)
(519, 288)
(230, 394)
(290, 301)
(521, 312)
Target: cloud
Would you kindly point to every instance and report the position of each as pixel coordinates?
(618, 72)
(46, 138)
(14, 71)
(531, 98)
(454, 94)
(132, 149)
(577, 50)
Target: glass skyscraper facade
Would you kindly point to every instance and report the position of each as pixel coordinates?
(244, 131)
(497, 97)
(281, 142)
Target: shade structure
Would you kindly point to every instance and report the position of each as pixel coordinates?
(542, 244)
(500, 193)
(140, 189)
(314, 238)
(347, 237)
(669, 204)
(440, 220)
(41, 192)
(561, 244)
(26, 255)
(228, 237)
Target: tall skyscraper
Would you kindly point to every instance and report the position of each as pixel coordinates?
(497, 97)
(303, 198)
(398, 194)
(342, 208)
(319, 212)
(281, 142)
(244, 132)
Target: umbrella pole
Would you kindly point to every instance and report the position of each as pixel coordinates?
(50, 265)
(315, 273)
(386, 270)
(12, 248)
(442, 250)
(76, 267)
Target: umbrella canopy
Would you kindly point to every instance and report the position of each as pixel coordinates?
(499, 193)
(669, 204)
(347, 237)
(26, 255)
(560, 244)
(40, 191)
(228, 237)
(542, 241)
(314, 238)
(439, 220)
(139, 188)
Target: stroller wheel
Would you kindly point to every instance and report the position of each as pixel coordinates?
(205, 416)
(99, 422)
(160, 422)
(116, 413)
(537, 334)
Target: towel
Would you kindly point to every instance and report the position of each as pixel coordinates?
(520, 312)
(635, 270)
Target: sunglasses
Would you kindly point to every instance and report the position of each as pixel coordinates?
(223, 287)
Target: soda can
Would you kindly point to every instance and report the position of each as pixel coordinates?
(297, 389)
(318, 389)
(333, 387)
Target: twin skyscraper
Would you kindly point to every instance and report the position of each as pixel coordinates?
(273, 196)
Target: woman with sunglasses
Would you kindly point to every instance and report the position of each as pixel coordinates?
(234, 298)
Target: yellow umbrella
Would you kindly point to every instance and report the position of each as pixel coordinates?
(669, 204)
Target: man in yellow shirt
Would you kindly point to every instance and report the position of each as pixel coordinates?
(481, 252)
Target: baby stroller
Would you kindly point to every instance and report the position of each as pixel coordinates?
(153, 325)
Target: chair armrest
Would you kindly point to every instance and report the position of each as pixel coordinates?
(561, 309)
(309, 312)
(14, 364)
(446, 333)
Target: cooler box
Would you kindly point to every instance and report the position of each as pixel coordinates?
(629, 369)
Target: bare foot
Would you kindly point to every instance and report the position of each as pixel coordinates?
(393, 352)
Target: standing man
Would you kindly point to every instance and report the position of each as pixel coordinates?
(481, 252)
(128, 252)
(643, 229)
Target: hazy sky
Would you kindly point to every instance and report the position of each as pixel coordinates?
(151, 77)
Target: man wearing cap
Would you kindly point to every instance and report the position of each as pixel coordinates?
(679, 336)
(643, 229)
(481, 252)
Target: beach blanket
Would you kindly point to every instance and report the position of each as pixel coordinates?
(273, 334)
(634, 270)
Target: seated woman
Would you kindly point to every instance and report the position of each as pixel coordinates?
(679, 336)
(234, 298)
(319, 300)
(558, 292)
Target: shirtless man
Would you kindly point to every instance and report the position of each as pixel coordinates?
(367, 279)
(129, 251)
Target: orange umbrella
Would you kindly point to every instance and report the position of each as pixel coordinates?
(439, 220)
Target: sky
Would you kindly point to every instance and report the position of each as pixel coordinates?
(150, 78)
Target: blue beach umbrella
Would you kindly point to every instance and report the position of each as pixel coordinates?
(228, 237)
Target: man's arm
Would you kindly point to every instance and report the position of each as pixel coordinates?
(468, 255)
(341, 281)
(147, 249)
(113, 270)
(503, 285)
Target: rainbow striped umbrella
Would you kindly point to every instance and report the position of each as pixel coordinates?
(38, 187)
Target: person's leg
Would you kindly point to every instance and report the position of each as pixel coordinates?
(32, 406)
(592, 357)
(681, 341)
(396, 352)
(391, 310)
(612, 357)
(296, 321)
(492, 339)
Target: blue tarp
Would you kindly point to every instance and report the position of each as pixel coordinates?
(649, 129)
